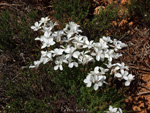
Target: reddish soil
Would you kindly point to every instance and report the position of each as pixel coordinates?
(137, 57)
(140, 102)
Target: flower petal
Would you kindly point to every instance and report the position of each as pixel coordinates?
(89, 84)
(95, 86)
(70, 65)
(76, 54)
(118, 75)
(55, 67)
(127, 83)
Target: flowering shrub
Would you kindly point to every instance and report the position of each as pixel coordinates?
(69, 47)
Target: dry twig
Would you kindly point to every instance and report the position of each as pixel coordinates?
(6, 4)
(144, 93)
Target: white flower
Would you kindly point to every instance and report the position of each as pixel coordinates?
(122, 74)
(117, 55)
(57, 52)
(103, 71)
(46, 40)
(74, 27)
(58, 62)
(88, 44)
(78, 41)
(118, 45)
(107, 39)
(84, 58)
(96, 78)
(70, 62)
(98, 81)
(88, 80)
(128, 79)
(119, 66)
(99, 50)
(58, 65)
(44, 60)
(71, 29)
(45, 57)
(96, 70)
(48, 26)
(49, 55)
(109, 65)
(122, 44)
(58, 35)
(69, 34)
(76, 54)
(47, 34)
(36, 64)
(51, 25)
(69, 50)
(122, 66)
(99, 54)
(44, 20)
(119, 110)
(101, 44)
(114, 110)
(109, 54)
(40, 39)
(36, 26)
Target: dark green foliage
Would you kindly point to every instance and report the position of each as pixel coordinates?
(94, 26)
(101, 22)
(15, 32)
(140, 9)
(38, 90)
(6, 31)
(75, 10)
(30, 93)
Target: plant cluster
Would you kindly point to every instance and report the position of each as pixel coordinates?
(69, 47)
(75, 49)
